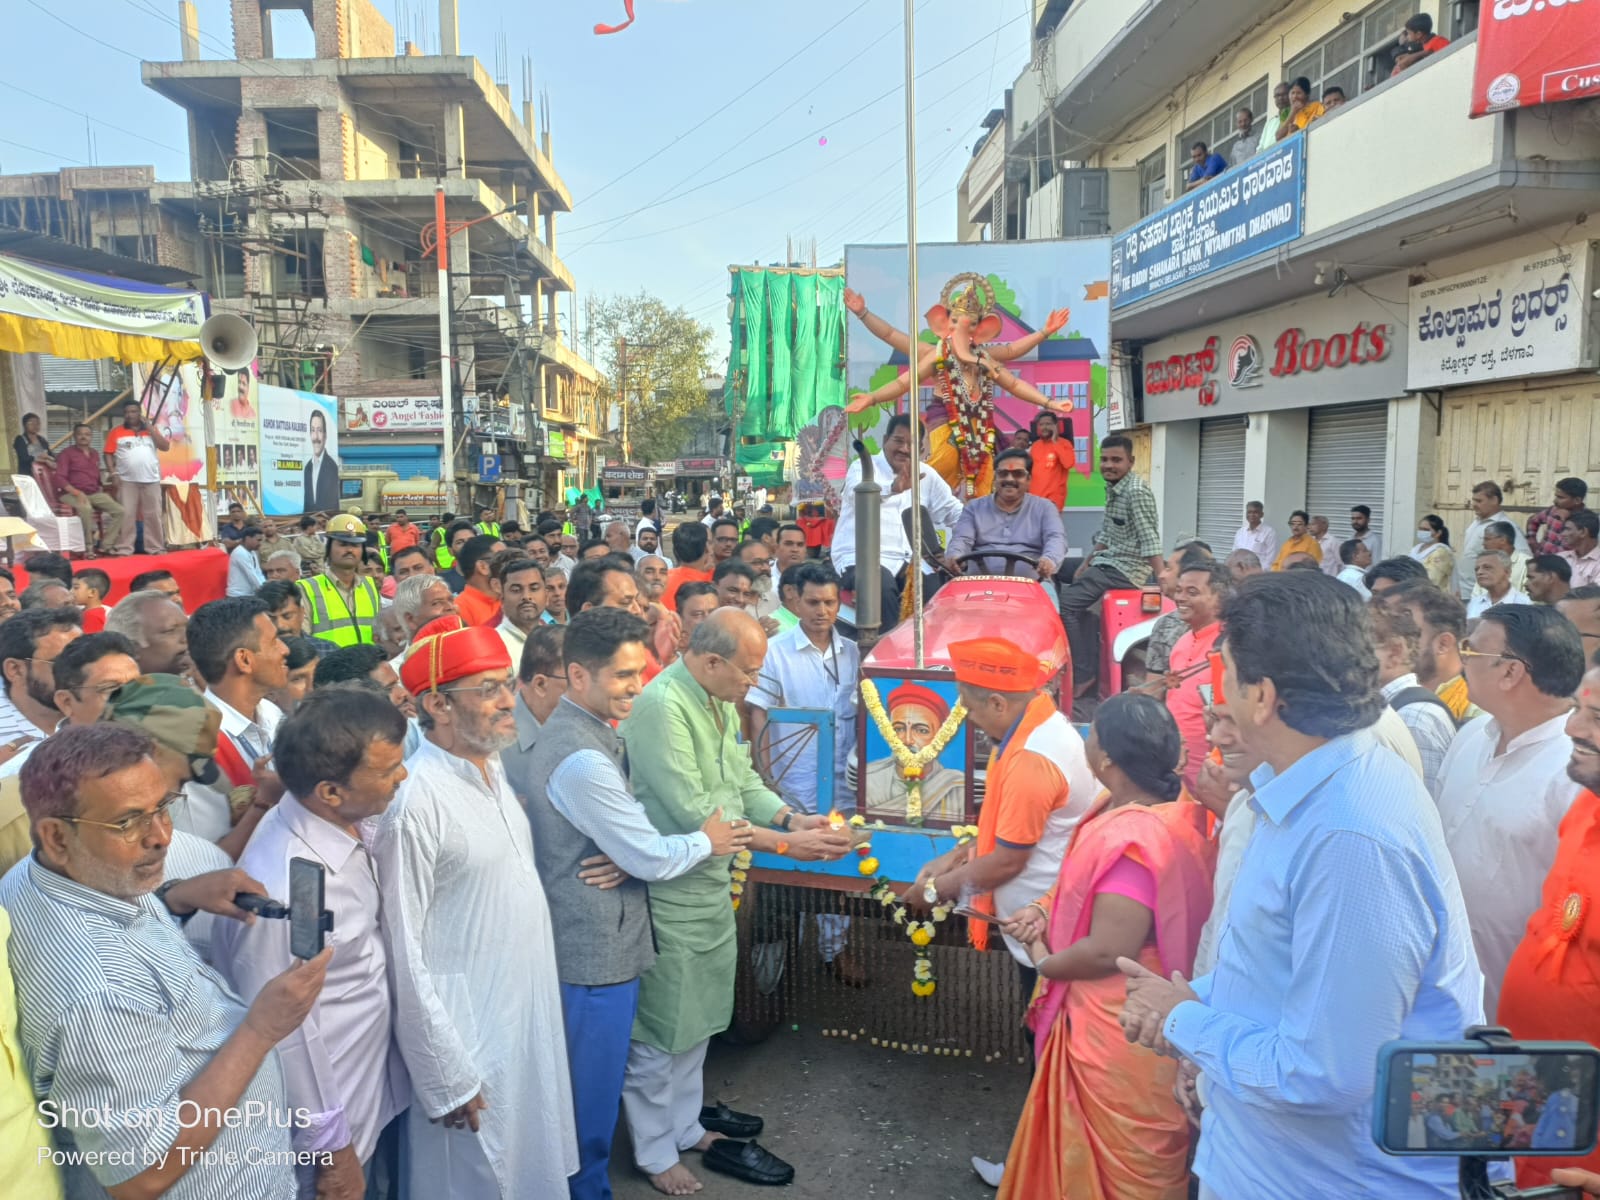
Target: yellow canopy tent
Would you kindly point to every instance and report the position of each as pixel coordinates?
(76, 314)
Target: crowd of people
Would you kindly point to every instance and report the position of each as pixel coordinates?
(1342, 811)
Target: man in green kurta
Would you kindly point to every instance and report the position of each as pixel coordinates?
(685, 761)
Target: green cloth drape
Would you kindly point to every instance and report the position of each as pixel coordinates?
(830, 344)
(803, 396)
(780, 309)
(736, 345)
(753, 291)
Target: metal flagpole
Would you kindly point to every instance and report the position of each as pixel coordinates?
(914, 397)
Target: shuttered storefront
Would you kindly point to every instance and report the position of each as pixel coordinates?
(1221, 497)
(1345, 455)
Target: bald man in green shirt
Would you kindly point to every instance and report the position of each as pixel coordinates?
(685, 761)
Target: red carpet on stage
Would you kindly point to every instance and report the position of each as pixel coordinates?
(202, 574)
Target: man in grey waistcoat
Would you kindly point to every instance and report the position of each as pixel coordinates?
(572, 777)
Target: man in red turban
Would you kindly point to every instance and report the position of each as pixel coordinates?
(477, 1002)
(916, 711)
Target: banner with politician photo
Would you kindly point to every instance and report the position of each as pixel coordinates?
(236, 434)
(170, 399)
(299, 457)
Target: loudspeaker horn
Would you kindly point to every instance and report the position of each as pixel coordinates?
(229, 341)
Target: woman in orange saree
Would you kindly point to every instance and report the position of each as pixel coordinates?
(1101, 1121)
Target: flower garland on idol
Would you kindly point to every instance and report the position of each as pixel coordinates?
(911, 763)
(971, 418)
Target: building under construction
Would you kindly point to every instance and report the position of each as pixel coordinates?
(313, 181)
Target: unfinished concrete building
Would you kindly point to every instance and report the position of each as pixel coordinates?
(313, 180)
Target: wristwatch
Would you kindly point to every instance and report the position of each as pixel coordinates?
(161, 895)
(788, 816)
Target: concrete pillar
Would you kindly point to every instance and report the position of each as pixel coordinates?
(189, 30)
(1175, 476)
(1275, 464)
(449, 28)
(1410, 470)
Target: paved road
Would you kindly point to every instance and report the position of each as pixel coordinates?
(855, 1121)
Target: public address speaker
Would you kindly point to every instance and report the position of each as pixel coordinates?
(229, 341)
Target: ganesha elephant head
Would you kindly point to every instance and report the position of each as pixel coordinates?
(965, 316)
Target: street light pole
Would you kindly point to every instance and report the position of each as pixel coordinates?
(436, 241)
(447, 386)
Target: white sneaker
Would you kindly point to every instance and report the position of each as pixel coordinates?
(990, 1172)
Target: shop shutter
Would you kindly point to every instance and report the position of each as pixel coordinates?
(1345, 455)
(1221, 499)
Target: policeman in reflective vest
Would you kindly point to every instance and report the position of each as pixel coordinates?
(437, 537)
(487, 523)
(341, 604)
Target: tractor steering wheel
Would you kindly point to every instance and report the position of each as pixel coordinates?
(1010, 558)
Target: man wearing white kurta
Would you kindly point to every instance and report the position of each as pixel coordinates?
(1503, 788)
(477, 998)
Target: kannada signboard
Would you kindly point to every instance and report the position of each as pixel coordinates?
(1240, 214)
(1299, 355)
(1528, 316)
(385, 414)
(1535, 52)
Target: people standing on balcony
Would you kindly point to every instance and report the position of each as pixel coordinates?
(1332, 98)
(1302, 108)
(1205, 167)
(1244, 146)
(1415, 42)
(1544, 527)
(1273, 121)
(1255, 535)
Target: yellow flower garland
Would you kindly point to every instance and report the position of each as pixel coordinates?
(921, 933)
(911, 764)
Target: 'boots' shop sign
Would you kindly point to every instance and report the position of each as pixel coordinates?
(1301, 355)
(1530, 316)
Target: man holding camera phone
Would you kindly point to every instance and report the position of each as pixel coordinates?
(119, 1014)
(341, 760)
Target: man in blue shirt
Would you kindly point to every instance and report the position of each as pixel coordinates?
(1345, 928)
(1207, 166)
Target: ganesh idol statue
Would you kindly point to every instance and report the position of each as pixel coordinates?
(963, 369)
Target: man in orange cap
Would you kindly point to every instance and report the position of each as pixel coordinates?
(1038, 786)
(916, 712)
(1548, 990)
(477, 998)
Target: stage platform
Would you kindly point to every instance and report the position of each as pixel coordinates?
(202, 574)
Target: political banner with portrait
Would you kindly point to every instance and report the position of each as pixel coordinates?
(171, 404)
(236, 434)
(299, 451)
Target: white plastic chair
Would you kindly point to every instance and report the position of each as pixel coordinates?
(64, 535)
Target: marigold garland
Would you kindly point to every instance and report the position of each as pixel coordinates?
(921, 933)
(911, 764)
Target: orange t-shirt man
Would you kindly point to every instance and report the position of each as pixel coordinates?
(676, 578)
(402, 537)
(1551, 991)
(477, 608)
(1053, 460)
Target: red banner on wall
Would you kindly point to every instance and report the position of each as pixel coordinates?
(1536, 52)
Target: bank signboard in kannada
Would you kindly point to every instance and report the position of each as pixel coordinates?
(1529, 316)
(1244, 212)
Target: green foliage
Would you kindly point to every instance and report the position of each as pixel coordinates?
(1097, 387)
(667, 360)
(928, 337)
(885, 374)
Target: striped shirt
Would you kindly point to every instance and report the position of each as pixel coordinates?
(118, 1016)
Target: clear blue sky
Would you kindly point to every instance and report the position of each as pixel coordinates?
(732, 175)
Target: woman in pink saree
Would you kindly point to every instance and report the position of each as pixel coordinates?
(1101, 1121)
